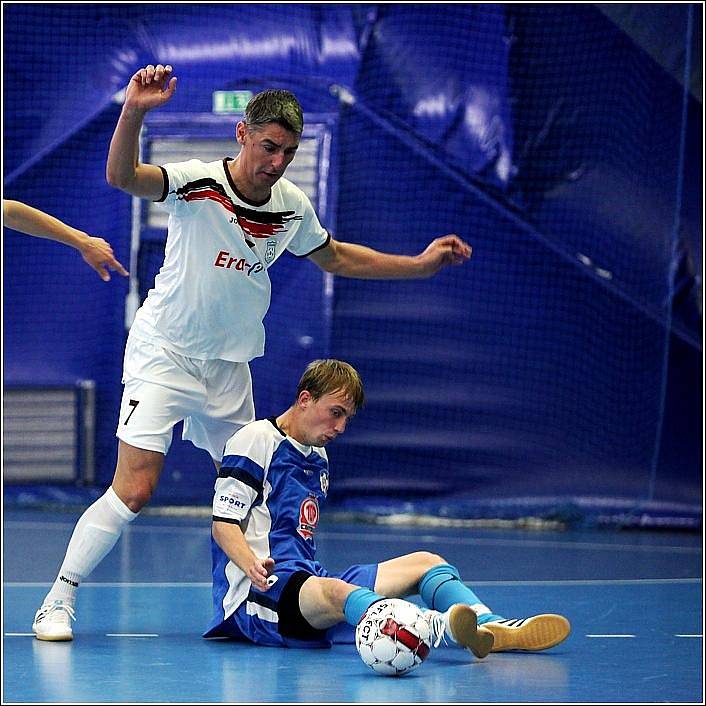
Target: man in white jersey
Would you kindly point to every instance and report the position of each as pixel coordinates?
(187, 353)
(269, 588)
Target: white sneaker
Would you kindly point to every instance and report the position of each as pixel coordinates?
(53, 621)
(463, 625)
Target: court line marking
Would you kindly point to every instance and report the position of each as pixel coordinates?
(154, 634)
(115, 584)
(131, 634)
(382, 537)
(542, 543)
(610, 635)
(586, 582)
(108, 634)
(207, 584)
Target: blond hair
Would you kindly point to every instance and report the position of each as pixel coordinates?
(324, 377)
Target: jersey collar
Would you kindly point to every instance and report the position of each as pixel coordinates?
(232, 185)
(302, 448)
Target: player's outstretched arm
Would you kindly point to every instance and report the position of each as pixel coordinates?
(150, 87)
(231, 540)
(358, 261)
(31, 221)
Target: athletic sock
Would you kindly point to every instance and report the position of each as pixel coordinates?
(441, 587)
(64, 588)
(95, 534)
(486, 617)
(358, 602)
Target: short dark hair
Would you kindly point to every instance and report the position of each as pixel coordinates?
(275, 105)
(324, 377)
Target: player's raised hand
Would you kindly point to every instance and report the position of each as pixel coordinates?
(99, 255)
(150, 87)
(447, 250)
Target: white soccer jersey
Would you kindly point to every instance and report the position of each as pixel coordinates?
(261, 461)
(213, 291)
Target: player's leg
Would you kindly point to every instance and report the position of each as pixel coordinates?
(308, 605)
(96, 533)
(322, 602)
(149, 411)
(326, 601)
(296, 611)
(441, 587)
(136, 475)
(400, 576)
(451, 615)
(429, 575)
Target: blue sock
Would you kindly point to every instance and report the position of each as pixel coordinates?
(441, 587)
(357, 603)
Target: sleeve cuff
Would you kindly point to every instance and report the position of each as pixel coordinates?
(165, 188)
(228, 520)
(318, 247)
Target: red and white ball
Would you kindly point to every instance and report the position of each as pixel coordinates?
(393, 637)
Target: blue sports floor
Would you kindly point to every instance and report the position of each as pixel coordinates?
(634, 599)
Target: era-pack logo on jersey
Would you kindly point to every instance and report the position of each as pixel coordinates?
(239, 264)
(308, 517)
(323, 480)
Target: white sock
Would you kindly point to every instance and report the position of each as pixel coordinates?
(481, 609)
(95, 534)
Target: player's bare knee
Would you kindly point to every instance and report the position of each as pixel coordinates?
(134, 487)
(428, 560)
(136, 496)
(136, 475)
(334, 593)
(320, 602)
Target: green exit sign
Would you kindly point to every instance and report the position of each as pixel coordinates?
(230, 101)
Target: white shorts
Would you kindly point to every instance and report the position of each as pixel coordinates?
(213, 397)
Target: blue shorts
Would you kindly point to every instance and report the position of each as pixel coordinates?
(257, 619)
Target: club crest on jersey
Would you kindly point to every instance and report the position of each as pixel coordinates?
(308, 517)
(323, 480)
(270, 250)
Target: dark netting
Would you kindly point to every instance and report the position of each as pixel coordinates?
(557, 373)
(533, 379)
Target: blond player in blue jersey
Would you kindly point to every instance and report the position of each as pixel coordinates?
(269, 588)
(187, 353)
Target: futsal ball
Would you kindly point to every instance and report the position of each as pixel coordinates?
(393, 637)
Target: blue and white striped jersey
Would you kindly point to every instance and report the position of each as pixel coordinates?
(273, 486)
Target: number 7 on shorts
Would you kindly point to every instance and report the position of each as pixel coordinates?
(133, 404)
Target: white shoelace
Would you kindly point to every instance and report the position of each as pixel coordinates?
(437, 625)
(52, 612)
